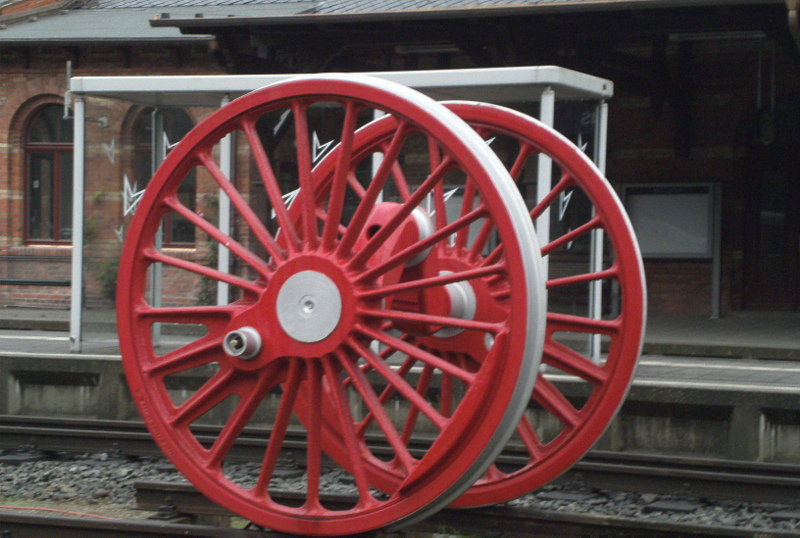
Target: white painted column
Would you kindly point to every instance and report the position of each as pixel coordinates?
(223, 254)
(544, 175)
(156, 270)
(76, 285)
(596, 256)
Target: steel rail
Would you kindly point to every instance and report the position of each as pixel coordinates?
(15, 523)
(487, 521)
(715, 478)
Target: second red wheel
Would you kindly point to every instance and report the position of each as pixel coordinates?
(579, 389)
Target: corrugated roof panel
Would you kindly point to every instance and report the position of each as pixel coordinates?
(366, 6)
(111, 25)
(124, 4)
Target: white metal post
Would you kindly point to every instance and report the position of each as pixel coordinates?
(156, 275)
(76, 289)
(544, 176)
(596, 256)
(223, 254)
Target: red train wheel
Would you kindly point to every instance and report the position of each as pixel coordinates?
(311, 323)
(559, 427)
(592, 390)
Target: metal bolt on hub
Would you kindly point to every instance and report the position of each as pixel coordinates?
(244, 343)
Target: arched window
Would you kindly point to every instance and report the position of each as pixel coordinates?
(48, 176)
(177, 230)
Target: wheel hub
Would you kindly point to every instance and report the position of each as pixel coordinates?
(309, 306)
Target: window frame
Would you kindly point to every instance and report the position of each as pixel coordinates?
(143, 151)
(57, 150)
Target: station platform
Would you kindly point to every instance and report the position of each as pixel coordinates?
(746, 335)
(726, 387)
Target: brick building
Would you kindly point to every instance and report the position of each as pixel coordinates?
(40, 44)
(706, 94)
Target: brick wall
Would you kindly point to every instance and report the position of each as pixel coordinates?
(32, 78)
(655, 139)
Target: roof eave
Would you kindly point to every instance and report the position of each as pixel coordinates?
(83, 41)
(191, 24)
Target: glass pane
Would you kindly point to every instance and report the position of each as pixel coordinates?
(49, 126)
(65, 205)
(179, 229)
(176, 124)
(40, 196)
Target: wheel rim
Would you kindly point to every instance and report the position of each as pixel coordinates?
(603, 387)
(310, 300)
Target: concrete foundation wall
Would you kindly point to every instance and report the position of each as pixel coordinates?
(701, 423)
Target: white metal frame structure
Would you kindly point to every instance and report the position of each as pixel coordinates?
(545, 84)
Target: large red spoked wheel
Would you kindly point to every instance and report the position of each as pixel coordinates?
(324, 287)
(563, 424)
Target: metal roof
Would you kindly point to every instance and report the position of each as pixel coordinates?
(356, 6)
(349, 11)
(503, 84)
(116, 21)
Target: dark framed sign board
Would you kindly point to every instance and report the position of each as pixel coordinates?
(673, 220)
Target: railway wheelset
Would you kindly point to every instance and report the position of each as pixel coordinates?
(388, 299)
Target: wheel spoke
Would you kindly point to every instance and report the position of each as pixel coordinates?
(565, 322)
(202, 270)
(308, 222)
(273, 192)
(567, 360)
(439, 206)
(234, 246)
(280, 426)
(571, 236)
(402, 386)
(401, 182)
(420, 246)
(420, 354)
(549, 397)
(211, 394)
(529, 437)
(432, 282)
(341, 409)
(313, 425)
(564, 183)
(584, 278)
(252, 394)
(377, 412)
(467, 203)
(380, 237)
(374, 190)
(423, 385)
(198, 353)
(444, 321)
(388, 391)
(340, 177)
(246, 212)
(210, 316)
(526, 151)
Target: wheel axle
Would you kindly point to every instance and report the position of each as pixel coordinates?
(243, 343)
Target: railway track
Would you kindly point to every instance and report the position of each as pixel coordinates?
(497, 520)
(15, 524)
(719, 479)
(714, 479)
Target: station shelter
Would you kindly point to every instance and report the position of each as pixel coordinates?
(572, 102)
